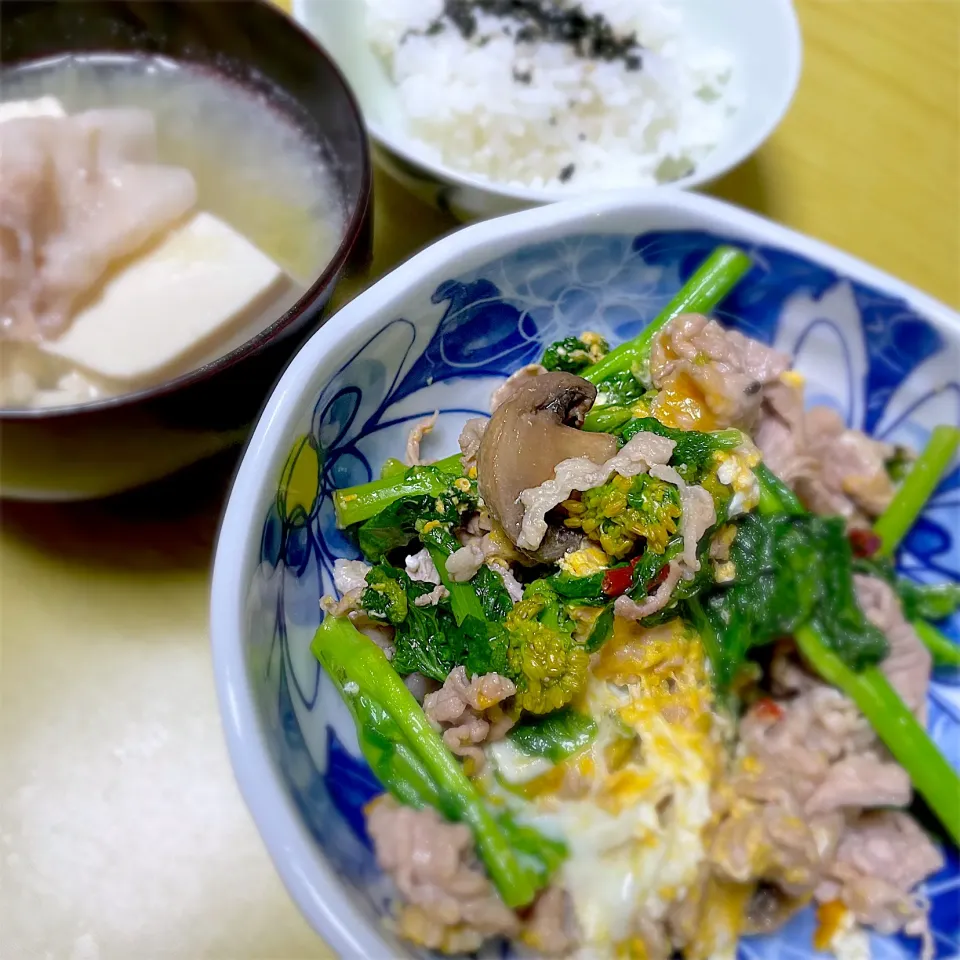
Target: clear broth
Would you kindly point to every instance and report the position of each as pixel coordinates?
(254, 168)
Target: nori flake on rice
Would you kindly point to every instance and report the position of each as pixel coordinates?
(590, 37)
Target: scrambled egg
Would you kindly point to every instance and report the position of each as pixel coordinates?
(736, 471)
(633, 807)
(583, 563)
(839, 933)
(683, 405)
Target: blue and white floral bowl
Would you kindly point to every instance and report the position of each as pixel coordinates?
(439, 333)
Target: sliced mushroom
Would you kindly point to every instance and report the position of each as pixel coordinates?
(528, 435)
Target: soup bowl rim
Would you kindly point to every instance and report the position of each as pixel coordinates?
(351, 230)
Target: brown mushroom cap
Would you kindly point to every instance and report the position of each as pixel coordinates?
(528, 435)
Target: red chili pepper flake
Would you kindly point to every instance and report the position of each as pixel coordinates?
(767, 709)
(865, 543)
(617, 581)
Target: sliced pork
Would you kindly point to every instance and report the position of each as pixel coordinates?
(882, 857)
(469, 712)
(448, 903)
(710, 377)
(909, 663)
(76, 195)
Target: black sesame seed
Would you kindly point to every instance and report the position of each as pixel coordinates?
(751, 388)
(581, 137)
(522, 76)
(436, 27)
(567, 172)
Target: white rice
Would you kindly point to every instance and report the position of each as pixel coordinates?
(462, 106)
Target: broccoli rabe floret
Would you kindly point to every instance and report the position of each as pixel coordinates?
(542, 658)
(385, 597)
(575, 353)
(621, 511)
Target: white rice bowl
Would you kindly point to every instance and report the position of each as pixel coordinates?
(537, 115)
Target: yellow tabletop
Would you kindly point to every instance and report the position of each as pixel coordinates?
(123, 835)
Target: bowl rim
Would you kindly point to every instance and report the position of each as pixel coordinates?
(353, 227)
(406, 149)
(302, 866)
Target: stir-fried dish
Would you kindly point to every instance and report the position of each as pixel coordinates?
(634, 667)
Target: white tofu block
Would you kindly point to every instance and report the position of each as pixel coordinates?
(201, 279)
(41, 107)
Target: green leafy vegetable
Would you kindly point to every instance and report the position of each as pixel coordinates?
(394, 526)
(931, 601)
(356, 504)
(426, 639)
(649, 567)
(621, 390)
(556, 735)
(494, 598)
(775, 495)
(898, 466)
(413, 764)
(615, 398)
(574, 354)
(602, 630)
(712, 281)
(587, 591)
(407, 517)
(695, 452)
(910, 499)
(790, 571)
(482, 597)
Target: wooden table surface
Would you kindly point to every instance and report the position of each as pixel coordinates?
(123, 835)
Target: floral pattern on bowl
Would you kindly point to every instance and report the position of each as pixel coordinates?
(866, 353)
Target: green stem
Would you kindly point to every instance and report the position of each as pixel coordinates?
(775, 495)
(933, 777)
(359, 503)
(917, 488)
(464, 601)
(606, 419)
(715, 278)
(351, 658)
(944, 651)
